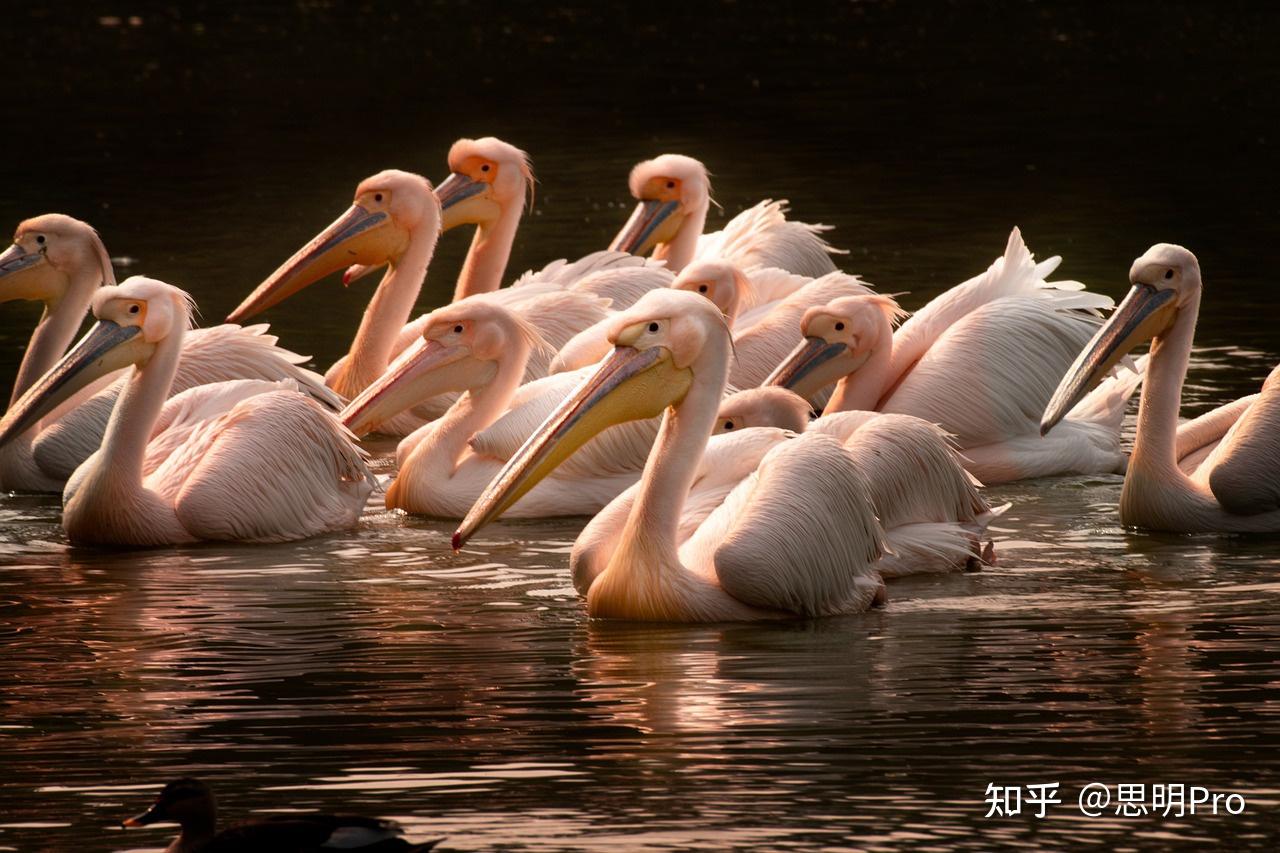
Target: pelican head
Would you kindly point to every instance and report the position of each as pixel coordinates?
(461, 348)
(670, 188)
(767, 406)
(389, 208)
(660, 344)
(1164, 280)
(720, 281)
(182, 801)
(486, 177)
(47, 254)
(839, 338)
(133, 318)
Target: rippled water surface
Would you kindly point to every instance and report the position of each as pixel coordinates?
(468, 696)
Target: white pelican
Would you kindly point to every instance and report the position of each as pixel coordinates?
(674, 194)
(395, 220)
(488, 183)
(980, 361)
(61, 262)
(795, 533)
(1236, 486)
(757, 352)
(269, 466)
(480, 348)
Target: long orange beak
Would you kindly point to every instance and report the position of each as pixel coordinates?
(1145, 313)
(629, 385)
(358, 236)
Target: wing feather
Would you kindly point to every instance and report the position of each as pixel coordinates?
(1244, 469)
(803, 536)
(275, 467)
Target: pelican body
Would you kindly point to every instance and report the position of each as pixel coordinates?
(980, 361)
(242, 461)
(1184, 481)
(796, 534)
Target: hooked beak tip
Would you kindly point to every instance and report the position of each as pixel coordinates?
(456, 542)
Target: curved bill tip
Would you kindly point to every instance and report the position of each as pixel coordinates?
(457, 541)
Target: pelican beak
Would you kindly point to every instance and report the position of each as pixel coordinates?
(815, 364)
(358, 236)
(629, 385)
(22, 274)
(653, 222)
(463, 201)
(417, 374)
(1145, 313)
(105, 348)
(150, 816)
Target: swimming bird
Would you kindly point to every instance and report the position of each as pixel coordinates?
(190, 804)
(61, 262)
(795, 532)
(1235, 487)
(395, 220)
(981, 360)
(488, 183)
(250, 461)
(674, 195)
(479, 348)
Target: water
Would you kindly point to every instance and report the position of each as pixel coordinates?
(469, 696)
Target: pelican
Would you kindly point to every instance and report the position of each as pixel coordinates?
(980, 361)
(255, 461)
(488, 182)
(395, 220)
(62, 262)
(674, 194)
(796, 532)
(480, 348)
(1235, 486)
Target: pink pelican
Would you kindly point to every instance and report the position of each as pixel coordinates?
(395, 219)
(479, 348)
(674, 195)
(980, 361)
(245, 461)
(61, 262)
(795, 532)
(1235, 485)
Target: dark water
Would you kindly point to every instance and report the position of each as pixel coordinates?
(468, 696)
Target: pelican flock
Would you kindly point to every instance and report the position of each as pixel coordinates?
(755, 432)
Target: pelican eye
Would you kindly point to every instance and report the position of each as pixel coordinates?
(485, 167)
(702, 288)
(377, 197)
(457, 330)
(40, 239)
(1168, 274)
(839, 327)
(728, 424)
(134, 309)
(653, 327)
(671, 185)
